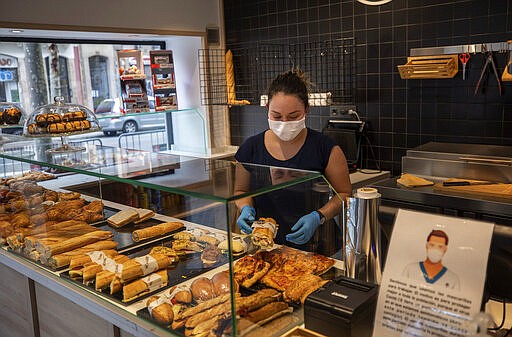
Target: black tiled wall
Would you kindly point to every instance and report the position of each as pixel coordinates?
(401, 114)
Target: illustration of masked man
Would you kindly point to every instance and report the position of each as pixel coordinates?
(432, 270)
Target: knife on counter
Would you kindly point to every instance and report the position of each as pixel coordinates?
(467, 183)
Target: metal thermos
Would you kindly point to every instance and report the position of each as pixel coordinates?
(361, 236)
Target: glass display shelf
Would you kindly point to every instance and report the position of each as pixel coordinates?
(161, 171)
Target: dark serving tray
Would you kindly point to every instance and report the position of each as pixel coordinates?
(189, 266)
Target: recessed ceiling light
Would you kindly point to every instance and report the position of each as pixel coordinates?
(16, 31)
(133, 35)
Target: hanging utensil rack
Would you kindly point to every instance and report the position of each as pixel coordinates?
(463, 48)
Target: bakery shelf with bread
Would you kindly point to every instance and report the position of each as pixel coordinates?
(151, 262)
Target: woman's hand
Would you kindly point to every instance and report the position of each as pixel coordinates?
(247, 213)
(304, 229)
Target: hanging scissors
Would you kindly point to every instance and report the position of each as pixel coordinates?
(488, 61)
(464, 58)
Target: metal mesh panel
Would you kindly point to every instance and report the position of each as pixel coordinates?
(212, 77)
(329, 64)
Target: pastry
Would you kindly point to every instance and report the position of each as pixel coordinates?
(302, 287)
(32, 128)
(184, 236)
(52, 128)
(208, 239)
(77, 125)
(53, 118)
(238, 246)
(210, 255)
(11, 115)
(68, 116)
(85, 124)
(169, 252)
(202, 289)
(409, 180)
(69, 127)
(60, 127)
(249, 269)
(41, 120)
(79, 115)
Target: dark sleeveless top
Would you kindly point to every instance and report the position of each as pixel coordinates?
(286, 206)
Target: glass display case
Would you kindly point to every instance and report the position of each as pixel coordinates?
(155, 237)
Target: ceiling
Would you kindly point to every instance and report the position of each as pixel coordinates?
(77, 35)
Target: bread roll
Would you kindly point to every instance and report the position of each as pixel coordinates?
(202, 289)
(221, 283)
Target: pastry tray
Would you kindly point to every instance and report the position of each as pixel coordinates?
(188, 266)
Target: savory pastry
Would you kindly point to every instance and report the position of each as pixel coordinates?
(249, 269)
(67, 196)
(209, 239)
(160, 309)
(185, 246)
(169, 252)
(410, 180)
(203, 307)
(122, 218)
(69, 127)
(290, 264)
(264, 231)
(202, 289)
(302, 287)
(210, 255)
(154, 231)
(184, 236)
(238, 246)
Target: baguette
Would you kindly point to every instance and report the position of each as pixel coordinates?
(74, 243)
(82, 259)
(62, 260)
(154, 231)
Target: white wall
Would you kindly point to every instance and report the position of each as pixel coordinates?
(188, 15)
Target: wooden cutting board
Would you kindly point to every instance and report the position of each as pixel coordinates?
(494, 190)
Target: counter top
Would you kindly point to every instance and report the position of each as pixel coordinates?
(446, 200)
(363, 177)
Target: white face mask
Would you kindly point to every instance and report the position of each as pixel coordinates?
(434, 255)
(287, 130)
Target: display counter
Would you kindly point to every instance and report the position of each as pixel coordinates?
(41, 299)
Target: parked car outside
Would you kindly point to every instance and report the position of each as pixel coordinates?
(126, 124)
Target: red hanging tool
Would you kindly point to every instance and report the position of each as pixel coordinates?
(464, 58)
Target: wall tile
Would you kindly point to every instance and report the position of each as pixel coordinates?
(401, 114)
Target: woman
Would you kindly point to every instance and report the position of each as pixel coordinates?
(288, 143)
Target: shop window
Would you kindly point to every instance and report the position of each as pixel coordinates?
(98, 68)
(63, 76)
(9, 91)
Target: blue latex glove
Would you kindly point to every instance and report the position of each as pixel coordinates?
(246, 214)
(304, 229)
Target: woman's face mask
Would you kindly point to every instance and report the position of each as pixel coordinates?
(287, 131)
